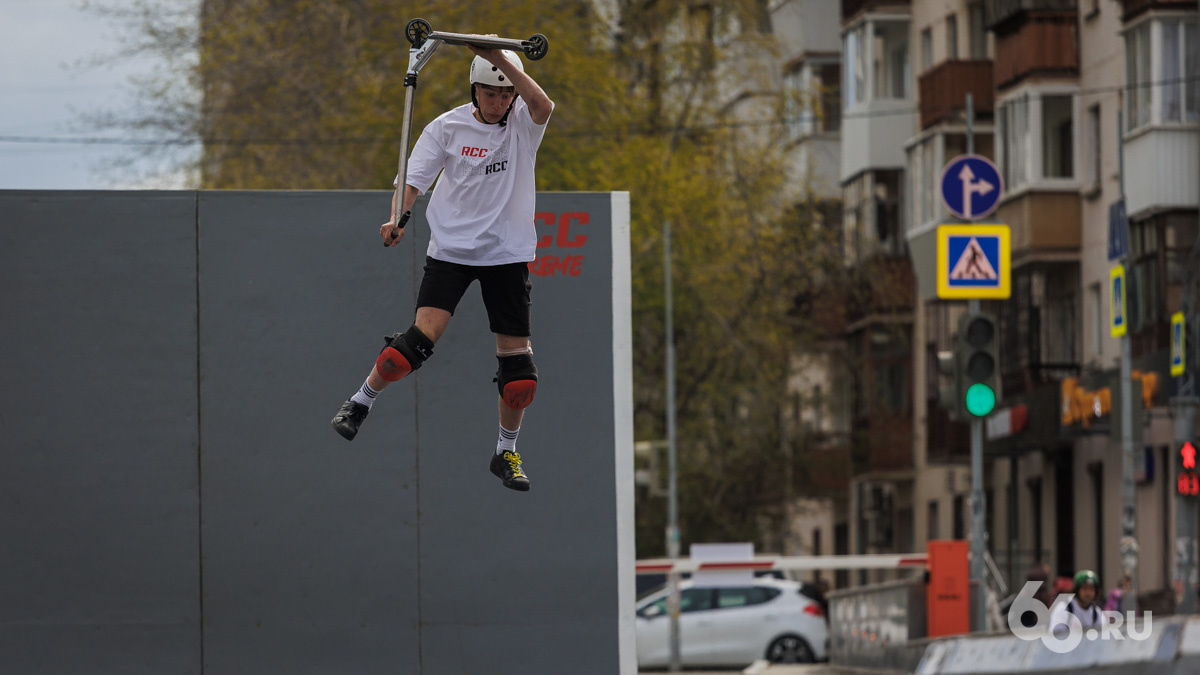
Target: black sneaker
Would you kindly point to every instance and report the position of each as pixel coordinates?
(507, 467)
(348, 419)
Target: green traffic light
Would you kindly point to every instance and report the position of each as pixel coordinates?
(981, 400)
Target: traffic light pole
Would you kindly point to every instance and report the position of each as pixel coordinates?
(978, 545)
(978, 526)
(1129, 545)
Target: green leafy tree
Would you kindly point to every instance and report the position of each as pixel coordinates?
(667, 101)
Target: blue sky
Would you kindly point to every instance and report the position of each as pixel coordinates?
(41, 43)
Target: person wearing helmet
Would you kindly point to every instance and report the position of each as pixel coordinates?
(1083, 606)
(481, 225)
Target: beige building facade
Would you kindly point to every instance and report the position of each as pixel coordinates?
(1048, 79)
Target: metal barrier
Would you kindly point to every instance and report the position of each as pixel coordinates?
(884, 625)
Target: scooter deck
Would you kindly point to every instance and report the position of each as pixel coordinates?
(487, 41)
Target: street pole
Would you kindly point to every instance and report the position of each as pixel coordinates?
(1183, 408)
(672, 482)
(1129, 545)
(978, 610)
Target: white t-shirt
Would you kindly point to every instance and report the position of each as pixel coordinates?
(481, 212)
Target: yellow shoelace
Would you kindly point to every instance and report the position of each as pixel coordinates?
(514, 461)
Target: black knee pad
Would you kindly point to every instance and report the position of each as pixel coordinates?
(517, 380)
(403, 353)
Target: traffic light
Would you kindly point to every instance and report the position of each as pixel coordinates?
(1188, 483)
(977, 364)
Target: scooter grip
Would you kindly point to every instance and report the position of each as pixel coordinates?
(401, 224)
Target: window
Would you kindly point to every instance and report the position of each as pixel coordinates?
(876, 62)
(795, 108)
(1180, 233)
(929, 185)
(1013, 123)
(934, 530)
(978, 35)
(1178, 56)
(1167, 89)
(1172, 90)
(856, 68)
(1092, 165)
(890, 360)
(926, 49)
(1159, 249)
(1058, 148)
(1143, 276)
(1098, 314)
(1137, 76)
(829, 75)
(952, 37)
(1031, 152)
(811, 99)
(922, 182)
(690, 600)
(890, 60)
(728, 598)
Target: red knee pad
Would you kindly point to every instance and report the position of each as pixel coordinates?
(519, 394)
(517, 380)
(392, 365)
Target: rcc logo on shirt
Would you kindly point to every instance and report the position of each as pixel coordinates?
(468, 151)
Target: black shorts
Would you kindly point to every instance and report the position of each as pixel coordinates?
(505, 291)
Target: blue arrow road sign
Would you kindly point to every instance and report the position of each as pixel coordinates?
(971, 186)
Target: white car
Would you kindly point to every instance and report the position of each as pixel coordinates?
(733, 625)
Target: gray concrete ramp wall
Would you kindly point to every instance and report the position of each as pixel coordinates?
(175, 501)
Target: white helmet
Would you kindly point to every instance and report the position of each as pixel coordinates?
(483, 72)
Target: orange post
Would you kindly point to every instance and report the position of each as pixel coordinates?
(948, 603)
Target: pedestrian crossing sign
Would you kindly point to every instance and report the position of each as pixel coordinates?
(1178, 356)
(973, 262)
(1117, 304)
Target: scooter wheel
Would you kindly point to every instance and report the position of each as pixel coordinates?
(536, 47)
(417, 32)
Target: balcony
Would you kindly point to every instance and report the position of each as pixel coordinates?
(1131, 9)
(851, 8)
(944, 90)
(873, 136)
(1170, 155)
(1047, 45)
(997, 14)
(1044, 225)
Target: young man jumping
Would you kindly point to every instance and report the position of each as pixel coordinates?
(481, 227)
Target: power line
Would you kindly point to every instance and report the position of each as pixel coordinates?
(666, 129)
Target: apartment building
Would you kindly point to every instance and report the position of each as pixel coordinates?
(809, 68)
(1048, 79)
(954, 60)
(879, 117)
